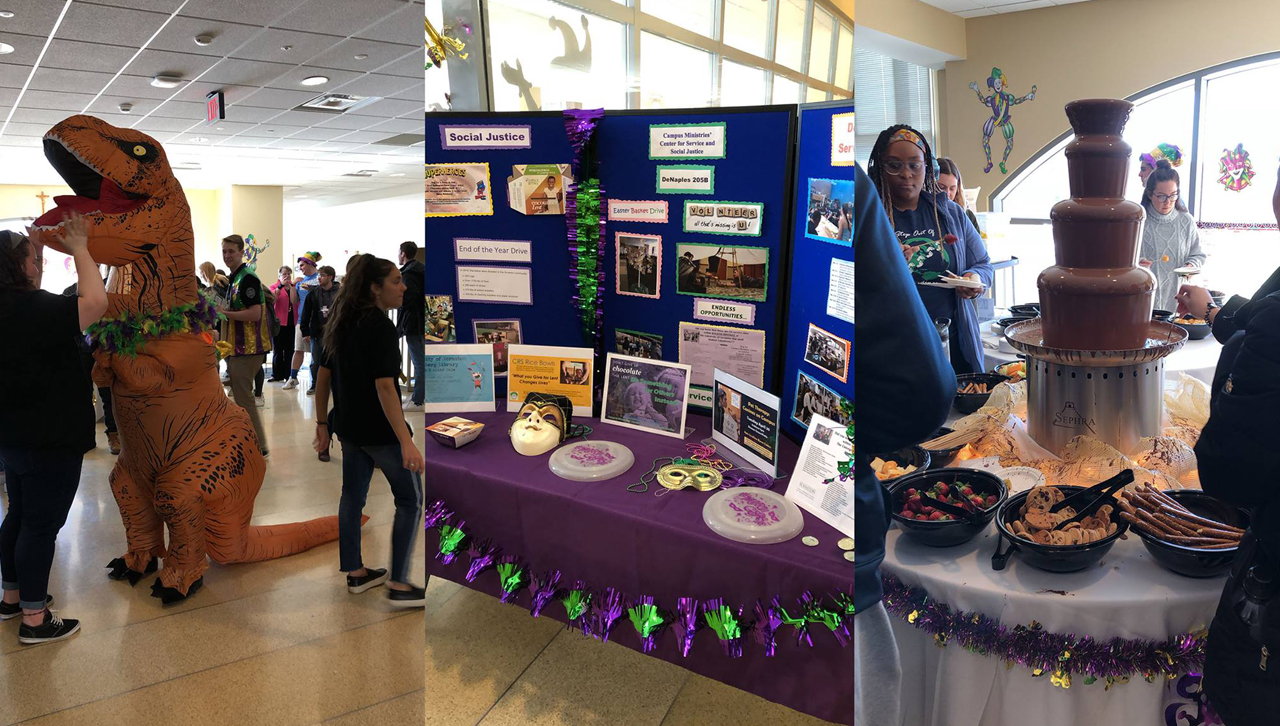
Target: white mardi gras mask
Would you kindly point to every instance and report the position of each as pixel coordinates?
(539, 427)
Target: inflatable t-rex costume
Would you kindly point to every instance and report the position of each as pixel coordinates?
(190, 459)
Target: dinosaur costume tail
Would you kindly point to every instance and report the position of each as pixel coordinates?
(281, 540)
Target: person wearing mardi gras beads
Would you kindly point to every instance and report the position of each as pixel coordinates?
(1170, 239)
(46, 420)
(937, 240)
(1147, 162)
(1001, 103)
(310, 279)
(247, 330)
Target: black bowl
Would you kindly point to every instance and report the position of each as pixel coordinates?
(1030, 310)
(1051, 558)
(1191, 561)
(910, 456)
(967, 403)
(1163, 316)
(1194, 332)
(998, 368)
(955, 532)
(940, 458)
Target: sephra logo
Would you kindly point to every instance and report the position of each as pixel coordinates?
(1070, 418)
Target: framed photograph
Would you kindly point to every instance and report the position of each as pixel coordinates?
(814, 398)
(637, 344)
(499, 333)
(552, 370)
(745, 420)
(459, 378)
(729, 272)
(829, 352)
(646, 395)
(440, 327)
(639, 258)
(830, 211)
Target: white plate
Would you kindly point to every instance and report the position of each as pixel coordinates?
(1021, 478)
(752, 515)
(591, 461)
(1188, 270)
(954, 282)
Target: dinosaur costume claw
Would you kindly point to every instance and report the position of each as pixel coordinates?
(120, 571)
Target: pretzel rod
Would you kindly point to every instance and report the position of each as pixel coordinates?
(1126, 506)
(1140, 524)
(1176, 526)
(1164, 504)
(1157, 524)
(1162, 498)
(1203, 522)
(1201, 541)
(1218, 533)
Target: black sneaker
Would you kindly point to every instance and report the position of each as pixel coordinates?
(53, 628)
(8, 611)
(414, 597)
(371, 579)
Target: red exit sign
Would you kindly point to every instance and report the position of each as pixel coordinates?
(215, 110)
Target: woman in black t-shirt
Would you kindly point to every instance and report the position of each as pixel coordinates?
(360, 363)
(46, 419)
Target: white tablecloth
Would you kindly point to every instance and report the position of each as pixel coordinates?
(1127, 595)
(1196, 358)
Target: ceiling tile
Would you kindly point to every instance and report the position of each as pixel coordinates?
(343, 55)
(30, 17)
(18, 129)
(337, 146)
(278, 98)
(55, 100)
(198, 92)
(180, 109)
(257, 12)
(156, 123)
(364, 137)
(274, 130)
(349, 122)
(249, 114)
(411, 66)
(13, 76)
(246, 141)
(389, 108)
(292, 79)
(64, 54)
(13, 140)
(138, 87)
(155, 62)
(180, 34)
(399, 126)
(293, 143)
(341, 17)
(244, 72)
(318, 134)
(267, 46)
(106, 24)
(975, 13)
(159, 6)
(382, 86)
(54, 79)
(400, 27)
(223, 128)
(38, 116)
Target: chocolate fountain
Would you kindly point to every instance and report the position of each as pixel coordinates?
(1095, 357)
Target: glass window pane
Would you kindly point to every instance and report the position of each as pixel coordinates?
(437, 77)
(695, 15)
(844, 60)
(741, 85)
(890, 92)
(532, 67)
(673, 75)
(814, 95)
(820, 46)
(745, 24)
(790, 33)
(785, 90)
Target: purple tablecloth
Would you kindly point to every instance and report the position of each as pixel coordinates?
(643, 545)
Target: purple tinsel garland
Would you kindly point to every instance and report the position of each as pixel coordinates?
(605, 611)
(483, 556)
(545, 588)
(768, 621)
(1046, 653)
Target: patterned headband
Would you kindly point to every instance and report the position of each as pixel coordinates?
(13, 240)
(908, 136)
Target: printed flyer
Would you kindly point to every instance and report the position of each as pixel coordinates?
(647, 395)
(548, 369)
(534, 189)
(458, 190)
(738, 351)
(745, 419)
(459, 378)
(815, 484)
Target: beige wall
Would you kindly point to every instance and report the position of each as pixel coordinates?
(845, 6)
(914, 21)
(21, 200)
(1085, 50)
(260, 211)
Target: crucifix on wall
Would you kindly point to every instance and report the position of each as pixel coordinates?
(42, 196)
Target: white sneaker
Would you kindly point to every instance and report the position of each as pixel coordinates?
(290, 384)
(260, 400)
(411, 406)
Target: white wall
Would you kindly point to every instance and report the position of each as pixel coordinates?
(376, 227)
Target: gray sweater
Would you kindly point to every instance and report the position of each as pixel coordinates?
(1170, 241)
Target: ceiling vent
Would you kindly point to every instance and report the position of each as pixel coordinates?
(336, 103)
(363, 173)
(402, 140)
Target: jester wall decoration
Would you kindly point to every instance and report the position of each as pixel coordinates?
(1001, 103)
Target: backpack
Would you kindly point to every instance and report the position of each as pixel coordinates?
(273, 322)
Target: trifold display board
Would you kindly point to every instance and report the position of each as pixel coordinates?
(819, 347)
(718, 255)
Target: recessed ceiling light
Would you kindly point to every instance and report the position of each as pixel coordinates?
(166, 81)
(220, 128)
(5, 48)
(126, 107)
(198, 139)
(361, 56)
(203, 40)
(6, 14)
(286, 48)
(399, 173)
(314, 80)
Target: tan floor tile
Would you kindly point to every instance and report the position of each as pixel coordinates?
(476, 648)
(406, 709)
(581, 682)
(704, 702)
(341, 675)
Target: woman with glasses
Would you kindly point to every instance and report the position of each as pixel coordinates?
(937, 240)
(1169, 238)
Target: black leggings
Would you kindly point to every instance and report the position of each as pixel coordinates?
(282, 352)
(42, 486)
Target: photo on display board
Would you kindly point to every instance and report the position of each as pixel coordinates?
(745, 421)
(440, 327)
(646, 395)
(500, 333)
(638, 345)
(458, 190)
(639, 265)
(831, 211)
(828, 352)
(724, 271)
(537, 189)
(813, 397)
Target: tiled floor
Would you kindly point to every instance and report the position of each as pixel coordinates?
(490, 664)
(279, 642)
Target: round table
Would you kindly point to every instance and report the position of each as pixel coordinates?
(1126, 595)
(1196, 358)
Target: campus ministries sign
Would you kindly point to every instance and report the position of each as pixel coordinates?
(469, 137)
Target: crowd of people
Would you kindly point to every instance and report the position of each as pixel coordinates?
(832, 218)
(47, 423)
(910, 207)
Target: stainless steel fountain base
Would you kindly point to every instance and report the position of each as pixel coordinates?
(1118, 405)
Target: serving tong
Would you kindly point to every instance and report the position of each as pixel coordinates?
(1105, 492)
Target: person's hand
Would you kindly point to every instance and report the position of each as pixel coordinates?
(970, 293)
(322, 439)
(306, 340)
(1193, 300)
(74, 234)
(412, 458)
(973, 85)
(1144, 262)
(908, 251)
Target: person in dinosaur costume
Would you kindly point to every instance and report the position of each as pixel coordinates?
(190, 460)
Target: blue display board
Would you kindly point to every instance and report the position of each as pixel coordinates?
(757, 168)
(811, 262)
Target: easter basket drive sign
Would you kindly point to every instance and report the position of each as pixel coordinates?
(703, 141)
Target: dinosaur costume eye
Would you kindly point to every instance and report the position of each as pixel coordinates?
(139, 150)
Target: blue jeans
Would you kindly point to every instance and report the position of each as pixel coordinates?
(358, 463)
(418, 356)
(42, 486)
